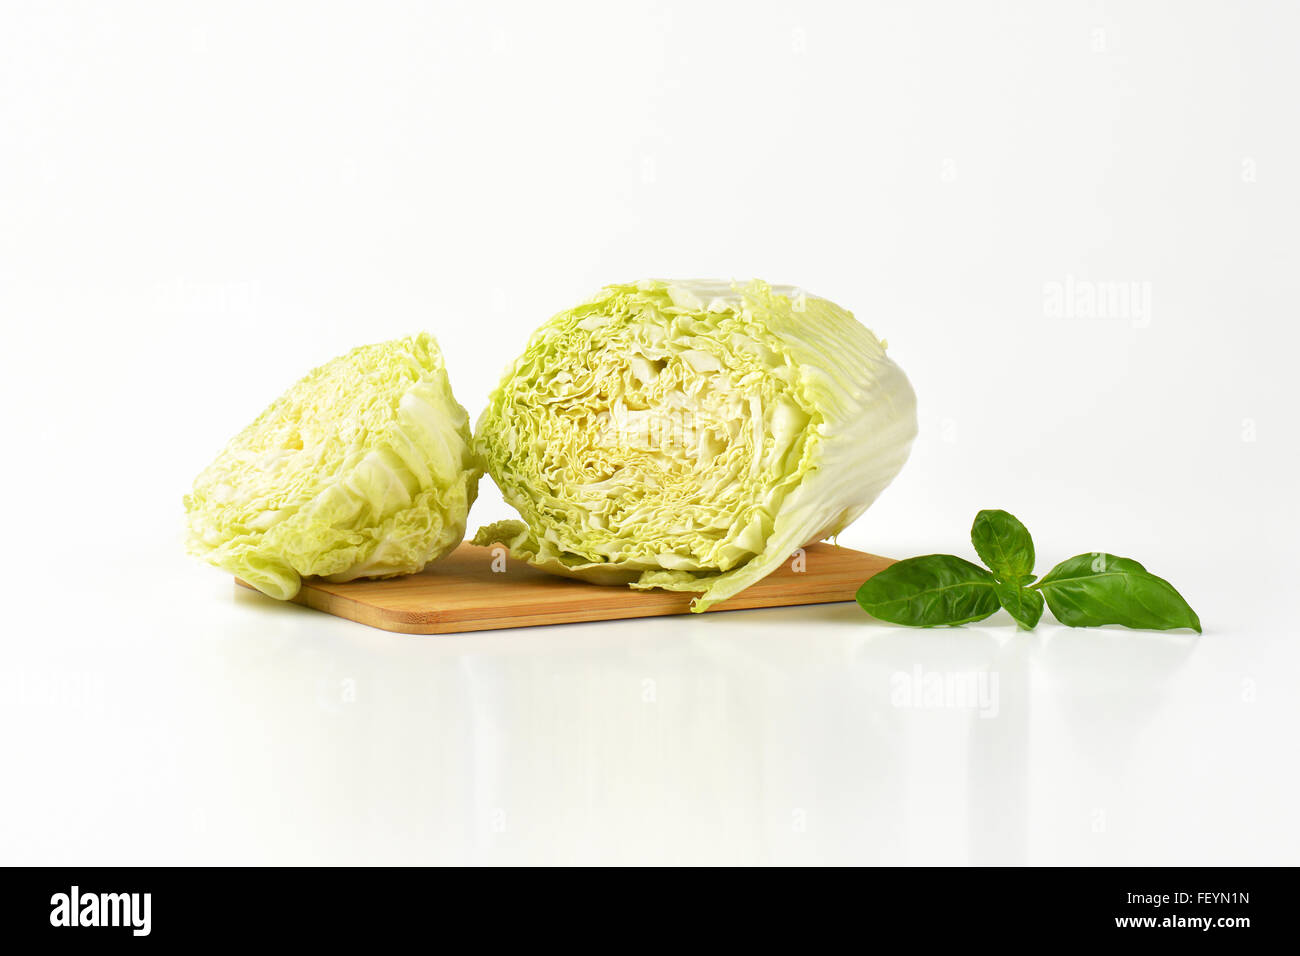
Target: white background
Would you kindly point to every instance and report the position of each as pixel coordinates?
(200, 202)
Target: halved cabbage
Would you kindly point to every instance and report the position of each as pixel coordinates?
(691, 435)
(364, 468)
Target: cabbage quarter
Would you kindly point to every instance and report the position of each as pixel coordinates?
(364, 468)
(692, 435)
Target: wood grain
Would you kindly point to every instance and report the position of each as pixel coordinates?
(463, 593)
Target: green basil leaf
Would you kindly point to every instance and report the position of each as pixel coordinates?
(1004, 544)
(1089, 590)
(1023, 604)
(930, 591)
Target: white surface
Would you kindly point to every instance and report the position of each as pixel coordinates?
(199, 203)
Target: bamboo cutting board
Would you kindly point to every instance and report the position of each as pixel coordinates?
(463, 593)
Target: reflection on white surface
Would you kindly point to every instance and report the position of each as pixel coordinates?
(270, 733)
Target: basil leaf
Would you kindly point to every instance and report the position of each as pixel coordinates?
(1023, 604)
(1004, 544)
(1089, 590)
(929, 591)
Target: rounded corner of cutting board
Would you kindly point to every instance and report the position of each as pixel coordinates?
(317, 595)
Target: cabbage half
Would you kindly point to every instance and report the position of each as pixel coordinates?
(362, 469)
(692, 435)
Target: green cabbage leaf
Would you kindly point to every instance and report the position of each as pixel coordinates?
(691, 435)
(364, 468)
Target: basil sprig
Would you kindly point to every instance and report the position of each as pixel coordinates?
(1087, 590)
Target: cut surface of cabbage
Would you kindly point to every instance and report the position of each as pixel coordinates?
(691, 435)
(364, 468)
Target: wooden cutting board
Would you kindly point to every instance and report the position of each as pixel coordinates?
(463, 593)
